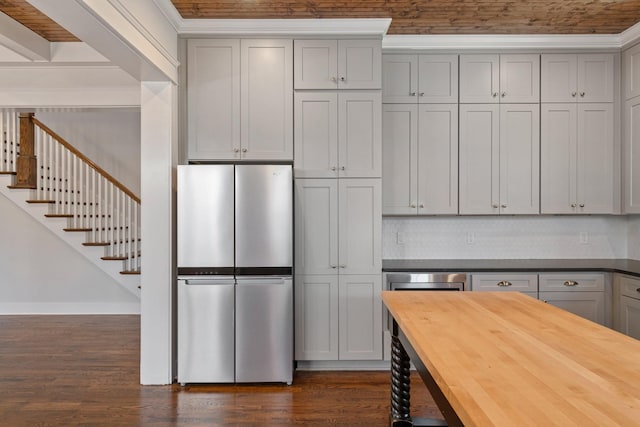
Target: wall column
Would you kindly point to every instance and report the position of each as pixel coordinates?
(159, 141)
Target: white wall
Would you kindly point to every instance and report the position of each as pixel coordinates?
(110, 138)
(509, 237)
(40, 273)
(633, 237)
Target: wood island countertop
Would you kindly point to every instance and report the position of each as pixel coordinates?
(506, 359)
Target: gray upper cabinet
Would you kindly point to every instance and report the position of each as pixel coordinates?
(424, 79)
(577, 78)
(490, 79)
(631, 70)
(337, 64)
(240, 99)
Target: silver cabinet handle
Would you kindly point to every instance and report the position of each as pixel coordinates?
(582, 205)
(503, 283)
(343, 266)
(503, 206)
(236, 150)
(413, 94)
(582, 94)
(421, 93)
(334, 266)
(504, 94)
(573, 94)
(413, 205)
(342, 79)
(573, 205)
(495, 206)
(341, 168)
(494, 94)
(421, 205)
(570, 283)
(244, 150)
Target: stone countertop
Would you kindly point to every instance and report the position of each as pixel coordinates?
(625, 266)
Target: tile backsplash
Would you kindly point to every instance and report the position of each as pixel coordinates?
(511, 237)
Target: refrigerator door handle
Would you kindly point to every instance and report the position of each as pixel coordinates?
(261, 281)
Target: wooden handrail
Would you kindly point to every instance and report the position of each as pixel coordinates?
(85, 159)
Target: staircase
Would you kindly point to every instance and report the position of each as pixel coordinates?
(71, 196)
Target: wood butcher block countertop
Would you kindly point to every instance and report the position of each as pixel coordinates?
(506, 359)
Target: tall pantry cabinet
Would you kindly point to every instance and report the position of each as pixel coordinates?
(631, 129)
(338, 218)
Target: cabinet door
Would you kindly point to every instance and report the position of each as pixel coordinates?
(479, 78)
(558, 78)
(360, 316)
(438, 79)
(437, 155)
(519, 159)
(213, 99)
(558, 159)
(400, 159)
(359, 134)
(399, 79)
(631, 156)
(589, 305)
(595, 158)
(360, 64)
(315, 64)
(267, 99)
(630, 316)
(316, 317)
(631, 70)
(595, 78)
(479, 159)
(316, 226)
(316, 134)
(520, 78)
(360, 220)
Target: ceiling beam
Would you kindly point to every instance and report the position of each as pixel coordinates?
(21, 40)
(120, 37)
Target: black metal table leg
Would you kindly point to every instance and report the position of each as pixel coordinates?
(400, 385)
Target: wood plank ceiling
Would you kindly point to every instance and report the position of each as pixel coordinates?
(409, 16)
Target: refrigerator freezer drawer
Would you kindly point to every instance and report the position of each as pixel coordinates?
(205, 331)
(264, 330)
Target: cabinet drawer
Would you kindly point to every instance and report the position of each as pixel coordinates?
(571, 282)
(505, 282)
(629, 287)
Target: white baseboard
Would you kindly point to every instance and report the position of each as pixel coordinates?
(35, 308)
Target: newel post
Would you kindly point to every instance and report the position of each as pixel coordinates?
(26, 162)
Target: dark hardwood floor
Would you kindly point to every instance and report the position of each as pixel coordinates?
(83, 371)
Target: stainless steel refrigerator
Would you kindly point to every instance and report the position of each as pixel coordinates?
(235, 261)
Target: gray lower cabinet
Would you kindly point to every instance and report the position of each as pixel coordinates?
(627, 312)
(338, 317)
(580, 293)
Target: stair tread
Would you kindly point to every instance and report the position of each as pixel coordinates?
(95, 244)
(7, 173)
(77, 229)
(21, 187)
(58, 215)
(130, 272)
(41, 201)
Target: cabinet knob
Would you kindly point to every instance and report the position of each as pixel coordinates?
(503, 283)
(581, 94)
(244, 150)
(342, 79)
(570, 283)
(341, 168)
(495, 206)
(236, 150)
(582, 205)
(504, 94)
(573, 94)
(334, 266)
(573, 205)
(421, 93)
(413, 94)
(412, 205)
(494, 94)
(638, 290)
(343, 266)
(503, 206)
(421, 205)
(333, 168)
